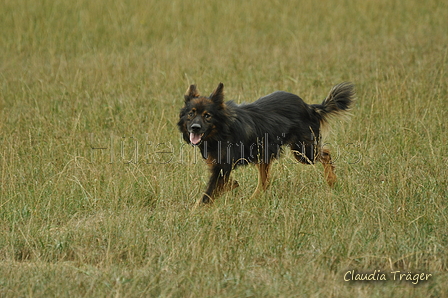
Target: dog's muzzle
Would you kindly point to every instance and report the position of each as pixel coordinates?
(195, 135)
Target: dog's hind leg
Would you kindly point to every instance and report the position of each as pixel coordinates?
(263, 177)
(325, 159)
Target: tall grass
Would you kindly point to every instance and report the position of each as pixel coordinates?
(98, 192)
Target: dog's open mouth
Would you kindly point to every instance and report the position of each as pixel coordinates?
(195, 138)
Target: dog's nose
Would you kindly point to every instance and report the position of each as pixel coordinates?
(195, 127)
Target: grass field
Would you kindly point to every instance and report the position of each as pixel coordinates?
(98, 192)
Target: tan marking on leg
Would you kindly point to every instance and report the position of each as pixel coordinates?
(263, 178)
(325, 159)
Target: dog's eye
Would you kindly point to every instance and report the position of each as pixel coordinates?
(207, 116)
(190, 114)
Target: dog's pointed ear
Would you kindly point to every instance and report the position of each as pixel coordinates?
(217, 96)
(191, 93)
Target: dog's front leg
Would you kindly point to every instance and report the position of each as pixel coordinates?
(219, 182)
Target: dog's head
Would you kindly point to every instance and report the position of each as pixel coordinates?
(201, 116)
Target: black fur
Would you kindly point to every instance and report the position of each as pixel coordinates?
(229, 135)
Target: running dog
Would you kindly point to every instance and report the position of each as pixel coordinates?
(229, 134)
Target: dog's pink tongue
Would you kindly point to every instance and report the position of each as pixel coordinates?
(195, 138)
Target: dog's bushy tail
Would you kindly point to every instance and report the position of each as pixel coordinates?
(337, 103)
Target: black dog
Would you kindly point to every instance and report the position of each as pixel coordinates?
(229, 135)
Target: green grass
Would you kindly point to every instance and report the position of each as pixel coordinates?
(83, 222)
